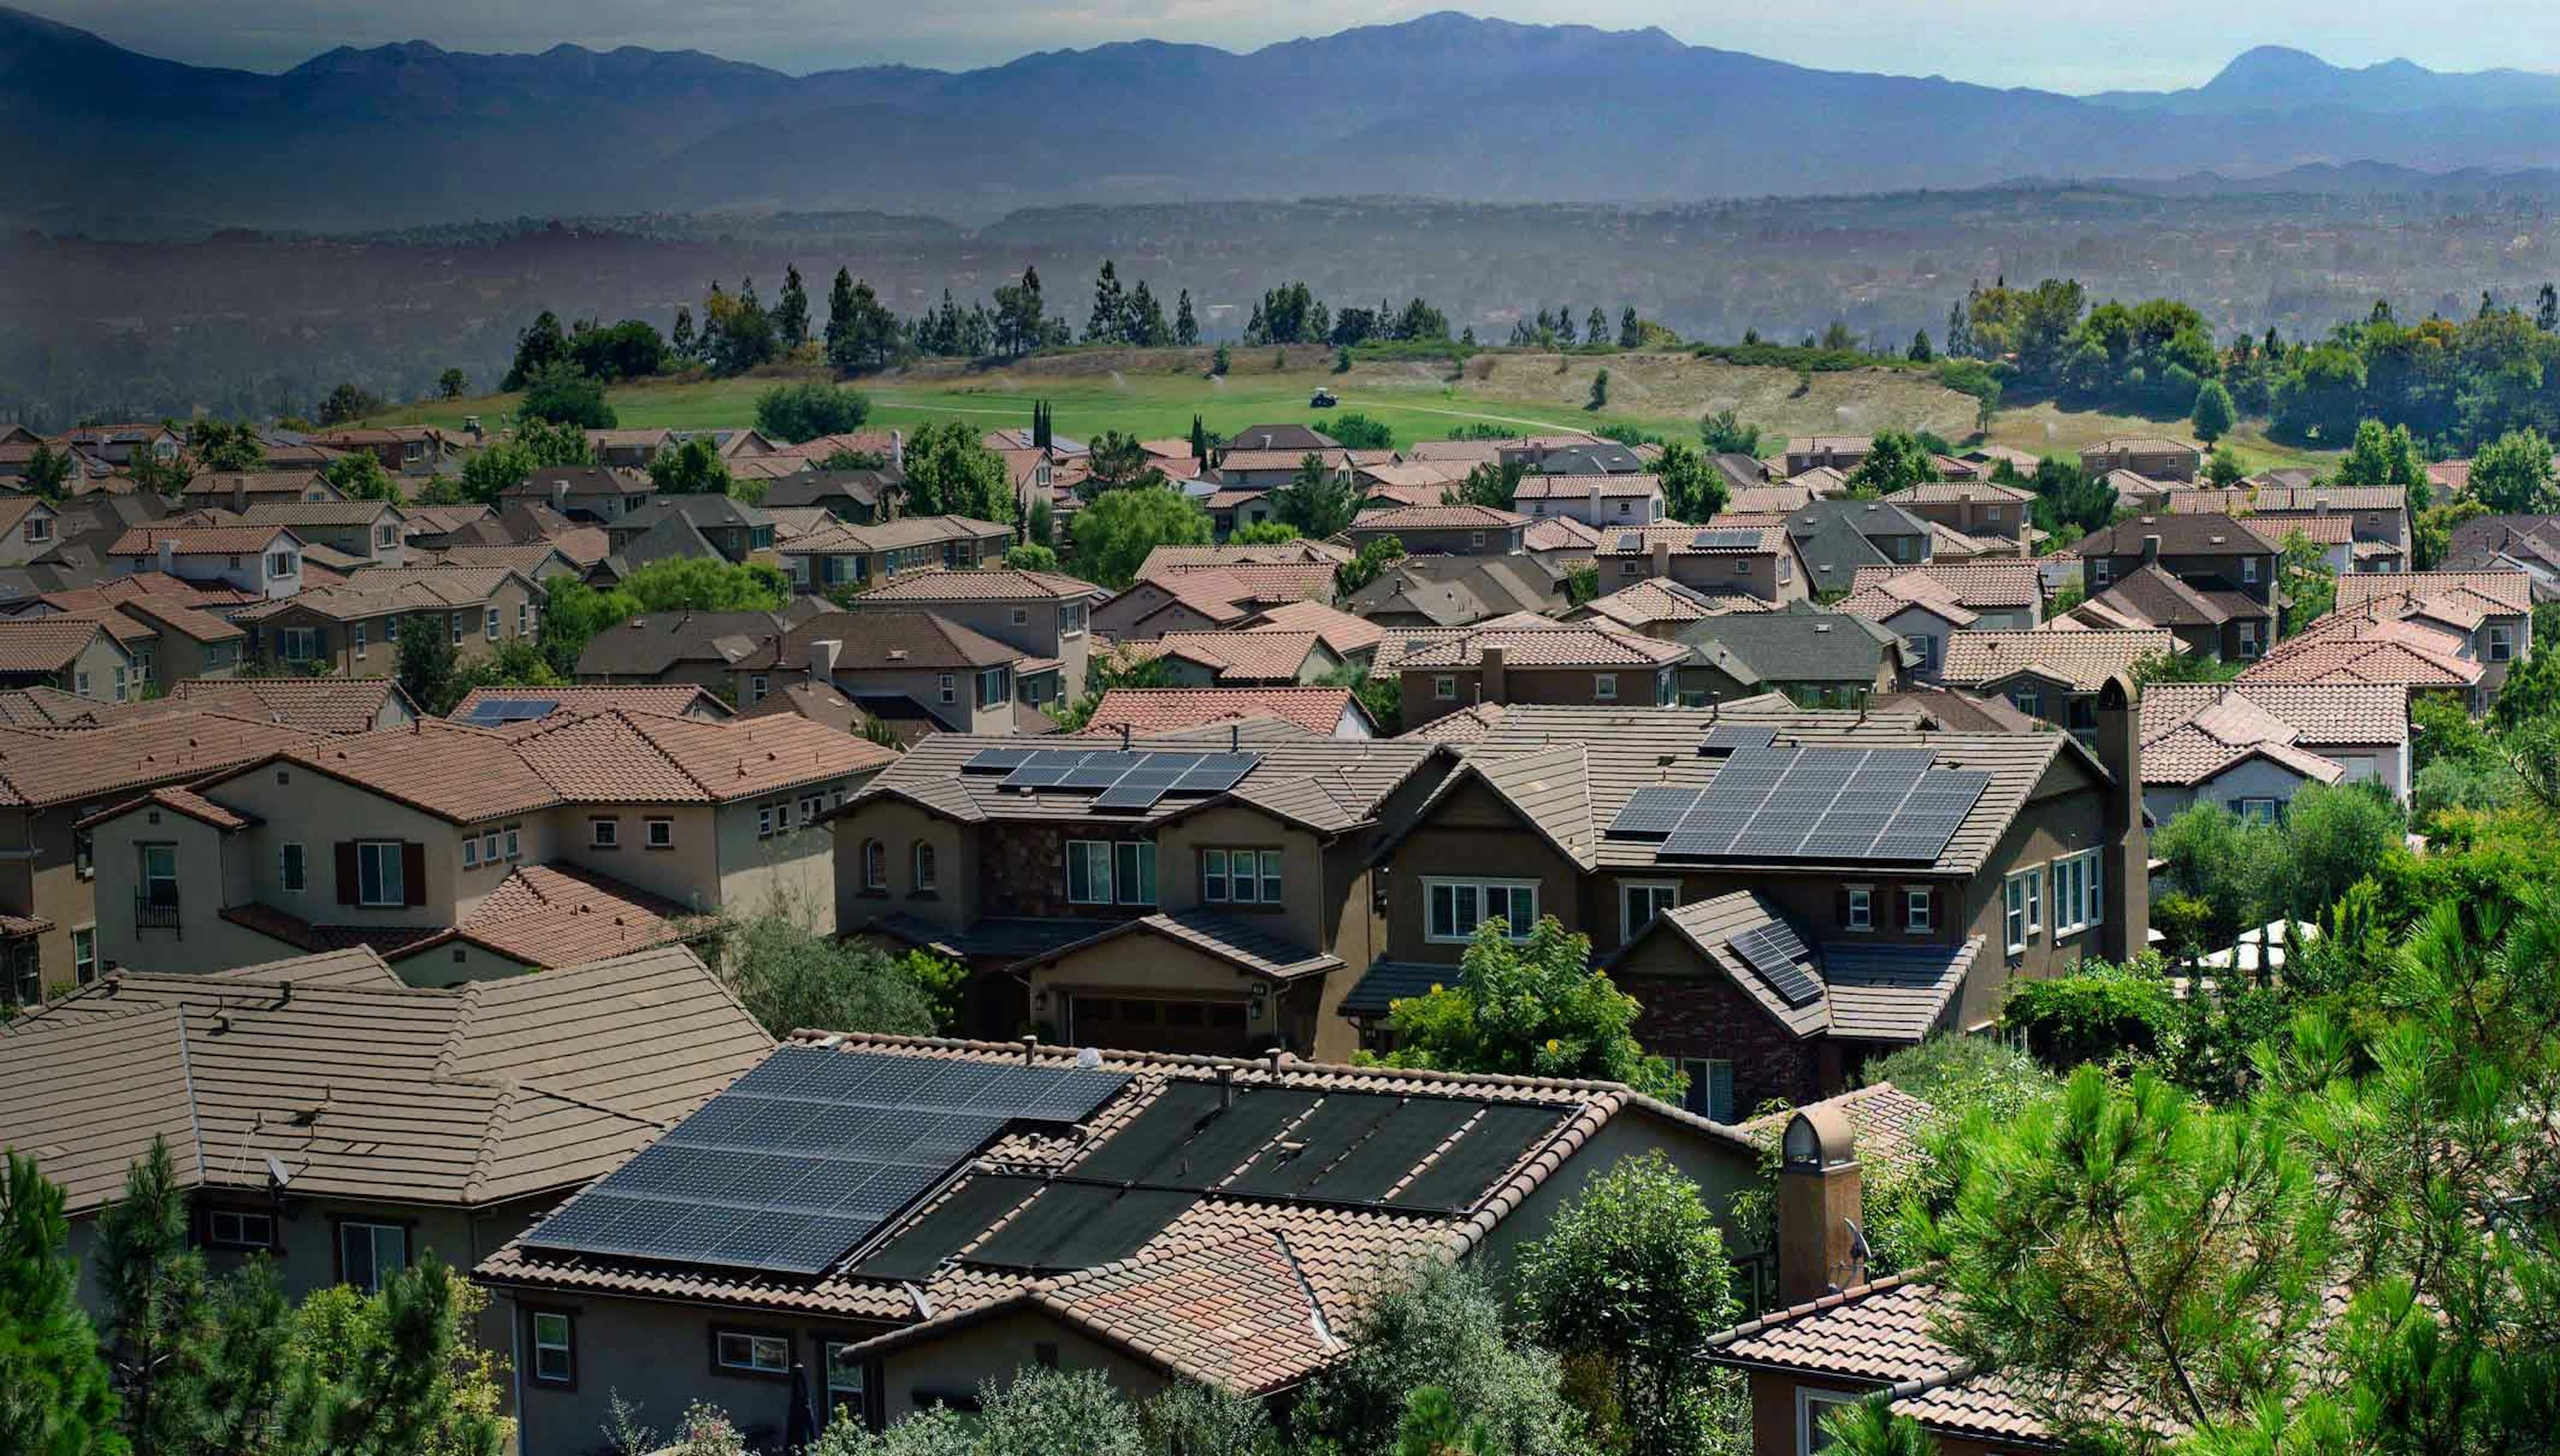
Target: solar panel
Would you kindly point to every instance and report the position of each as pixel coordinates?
(1728, 538)
(1777, 954)
(807, 1154)
(1131, 779)
(1652, 812)
(1074, 1225)
(997, 760)
(1215, 773)
(492, 711)
(1494, 1142)
(1289, 1168)
(1931, 816)
(1632, 540)
(974, 1204)
(1188, 1137)
(1381, 1161)
(1729, 737)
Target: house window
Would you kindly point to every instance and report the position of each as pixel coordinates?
(383, 536)
(875, 866)
(2502, 643)
(369, 1253)
(80, 682)
(160, 875)
(512, 851)
(26, 975)
(378, 880)
(292, 869)
(1444, 688)
(1458, 907)
(1861, 908)
(491, 630)
(658, 833)
(762, 1354)
(2249, 646)
(993, 690)
(489, 847)
(471, 852)
(947, 688)
(1022, 616)
(120, 684)
(2249, 570)
(604, 833)
(2028, 701)
(1089, 872)
(355, 634)
(1240, 876)
(1134, 873)
(2076, 905)
(923, 874)
(142, 661)
(239, 1228)
(1638, 903)
(297, 644)
(1070, 620)
(1918, 904)
(845, 1382)
(554, 1348)
(85, 955)
(1813, 1409)
(390, 629)
(39, 527)
(1785, 570)
(2023, 907)
(1604, 687)
(2255, 811)
(279, 563)
(1710, 1088)
(1475, 540)
(2102, 571)
(456, 620)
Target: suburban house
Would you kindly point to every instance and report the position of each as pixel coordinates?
(1148, 711)
(505, 708)
(2517, 543)
(265, 561)
(1352, 640)
(1755, 561)
(693, 647)
(1454, 591)
(352, 628)
(2489, 612)
(1043, 613)
(903, 667)
(2140, 493)
(1593, 500)
(1294, 438)
(1840, 452)
(1816, 657)
(1218, 1221)
(369, 531)
(1494, 662)
(171, 630)
(2215, 621)
(75, 654)
(1181, 597)
(740, 531)
(857, 497)
(2352, 648)
(1925, 605)
(117, 444)
(591, 493)
(1837, 538)
(2209, 551)
(629, 449)
(29, 529)
(2055, 675)
(237, 490)
(2248, 747)
(1788, 893)
(2149, 455)
(324, 1115)
(1977, 508)
(2377, 518)
(1661, 607)
(1228, 913)
(1260, 471)
(1455, 531)
(436, 842)
(403, 450)
(849, 556)
(313, 705)
(1260, 658)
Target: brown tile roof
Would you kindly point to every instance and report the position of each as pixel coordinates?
(2330, 714)
(378, 591)
(1559, 533)
(634, 757)
(1580, 487)
(1469, 724)
(143, 541)
(1981, 585)
(2234, 500)
(2349, 497)
(2230, 729)
(1246, 947)
(1767, 500)
(1152, 711)
(1823, 443)
(46, 644)
(2203, 535)
(316, 704)
(1238, 657)
(1558, 646)
(2137, 444)
(1277, 553)
(1437, 518)
(71, 766)
(43, 708)
(666, 700)
(990, 583)
(2084, 660)
(319, 513)
(880, 641)
(847, 538)
(1339, 630)
(257, 483)
(2464, 596)
(1864, 991)
(1886, 1120)
(496, 1091)
(562, 915)
(188, 803)
(1659, 599)
(1683, 540)
(1964, 712)
(2353, 649)
(1956, 492)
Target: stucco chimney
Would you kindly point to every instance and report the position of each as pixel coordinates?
(2319, 505)
(2150, 549)
(1489, 671)
(168, 556)
(560, 496)
(2126, 896)
(1594, 498)
(822, 659)
(1661, 559)
(898, 448)
(240, 495)
(1820, 1213)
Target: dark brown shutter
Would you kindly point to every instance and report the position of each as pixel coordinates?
(346, 872)
(413, 871)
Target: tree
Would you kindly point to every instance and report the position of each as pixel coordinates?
(1029, 556)
(1319, 500)
(791, 310)
(55, 1398)
(1363, 569)
(706, 585)
(1117, 461)
(1692, 488)
(224, 445)
(560, 394)
(2310, 583)
(1360, 431)
(680, 343)
(1724, 433)
(516, 662)
(347, 404)
(1599, 399)
(951, 472)
(1631, 330)
(538, 346)
(692, 468)
(49, 471)
(496, 469)
(1896, 460)
(572, 613)
(426, 663)
(2382, 455)
(2213, 415)
(1114, 533)
(1633, 1276)
(1442, 1327)
(453, 383)
(1106, 324)
(1532, 1007)
(252, 1397)
(414, 1385)
(359, 476)
(2512, 475)
(1191, 1419)
(808, 410)
(862, 333)
(630, 349)
(152, 1285)
(787, 976)
(738, 334)
(1104, 671)
(1871, 1428)
(156, 476)
(1276, 533)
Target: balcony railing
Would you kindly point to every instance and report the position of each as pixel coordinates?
(155, 911)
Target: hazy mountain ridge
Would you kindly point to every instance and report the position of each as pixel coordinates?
(413, 133)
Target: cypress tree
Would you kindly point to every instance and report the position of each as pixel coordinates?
(153, 1286)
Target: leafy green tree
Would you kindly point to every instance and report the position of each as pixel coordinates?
(348, 403)
(2382, 455)
(2310, 583)
(2214, 413)
(1599, 397)
(1957, 1074)
(1692, 488)
(359, 476)
(2224, 469)
(155, 476)
(516, 662)
(1433, 1426)
(630, 349)
(1363, 569)
(1871, 1428)
(538, 346)
(1493, 483)
(1104, 671)
(153, 1287)
(1532, 1008)
(426, 663)
(453, 383)
(1724, 433)
(1319, 500)
(1118, 461)
(705, 583)
(1921, 351)
(1218, 362)
(572, 613)
(496, 469)
(560, 394)
(1632, 1277)
(1030, 557)
(1275, 533)
(2093, 1015)
(951, 472)
(252, 1397)
(1039, 525)
(56, 1396)
(692, 468)
(2512, 475)
(791, 310)
(809, 408)
(738, 334)
(1361, 432)
(1191, 1419)
(789, 977)
(48, 472)
(1109, 305)
(1897, 460)
(225, 445)
(1114, 533)
(1442, 1327)
(413, 1386)
(550, 444)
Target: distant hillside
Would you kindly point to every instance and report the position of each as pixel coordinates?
(1442, 106)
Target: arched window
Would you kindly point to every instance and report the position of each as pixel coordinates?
(874, 865)
(924, 867)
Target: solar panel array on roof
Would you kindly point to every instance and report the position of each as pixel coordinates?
(491, 712)
(1632, 540)
(1077, 1226)
(1493, 1143)
(1775, 951)
(1726, 738)
(1119, 779)
(807, 1155)
(1772, 803)
(948, 1228)
(1728, 537)
(1654, 811)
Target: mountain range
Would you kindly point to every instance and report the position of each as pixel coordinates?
(1446, 105)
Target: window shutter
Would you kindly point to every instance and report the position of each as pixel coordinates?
(413, 873)
(347, 885)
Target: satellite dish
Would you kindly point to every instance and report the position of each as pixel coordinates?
(278, 1176)
(1858, 1251)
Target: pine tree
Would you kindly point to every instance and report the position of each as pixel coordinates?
(1629, 332)
(680, 343)
(1109, 323)
(55, 1394)
(1142, 318)
(2546, 310)
(1200, 442)
(839, 311)
(254, 1396)
(153, 1287)
(1185, 325)
(1595, 329)
(391, 1399)
(791, 310)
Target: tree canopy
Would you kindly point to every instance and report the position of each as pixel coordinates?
(1114, 533)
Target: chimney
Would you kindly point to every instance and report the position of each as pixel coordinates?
(898, 449)
(1225, 1086)
(822, 659)
(168, 556)
(1821, 1237)
(2126, 858)
(560, 496)
(2319, 505)
(240, 495)
(2150, 550)
(1595, 496)
(1490, 675)
(1661, 559)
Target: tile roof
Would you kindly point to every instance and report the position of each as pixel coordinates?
(2188, 500)
(2228, 731)
(1957, 492)
(2139, 444)
(1799, 643)
(1276, 554)
(1437, 518)
(2180, 536)
(2355, 649)
(1683, 540)
(879, 641)
(1400, 643)
(319, 513)
(294, 483)
(42, 708)
(53, 767)
(1246, 947)
(562, 915)
(1557, 646)
(1559, 533)
(1810, 444)
(1468, 725)
(45, 644)
(2150, 596)
(1869, 992)
(687, 758)
(653, 642)
(1659, 599)
(318, 704)
(988, 584)
(2328, 714)
(2084, 660)
(1982, 585)
(1964, 712)
(143, 541)
(666, 700)
(1580, 487)
(1238, 657)
(846, 538)
(2306, 498)
(1885, 1119)
(1767, 500)
(1339, 630)
(2465, 594)
(1152, 711)
(1452, 591)
(385, 590)
(468, 1097)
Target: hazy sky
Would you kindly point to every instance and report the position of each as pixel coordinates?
(2060, 44)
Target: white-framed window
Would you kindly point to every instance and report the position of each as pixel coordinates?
(1240, 876)
(279, 563)
(757, 685)
(39, 527)
(1604, 687)
(2501, 642)
(1458, 907)
(390, 629)
(2023, 907)
(80, 682)
(369, 1253)
(923, 873)
(1861, 911)
(491, 624)
(142, 664)
(2101, 571)
(658, 833)
(512, 850)
(85, 955)
(1812, 1407)
(2248, 570)
(2250, 645)
(1710, 1088)
(604, 833)
(1444, 688)
(1631, 569)
(742, 1350)
(875, 866)
(292, 867)
(122, 684)
(1640, 901)
(297, 644)
(356, 636)
(489, 847)
(240, 1228)
(1919, 906)
(845, 1376)
(553, 1340)
(2256, 811)
(993, 690)
(1786, 568)
(947, 688)
(378, 878)
(456, 620)
(471, 852)
(2027, 701)
(2077, 903)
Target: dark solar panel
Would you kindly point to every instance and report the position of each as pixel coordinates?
(1287, 1170)
(997, 760)
(1458, 1177)
(1652, 812)
(1632, 540)
(1074, 1225)
(1931, 816)
(491, 711)
(1728, 538)
(1726, 738)
(1778, 955)
(1381, 1160)
(1188, 1141)
(944, 1232)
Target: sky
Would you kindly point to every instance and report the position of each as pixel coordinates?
(2075, 46)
